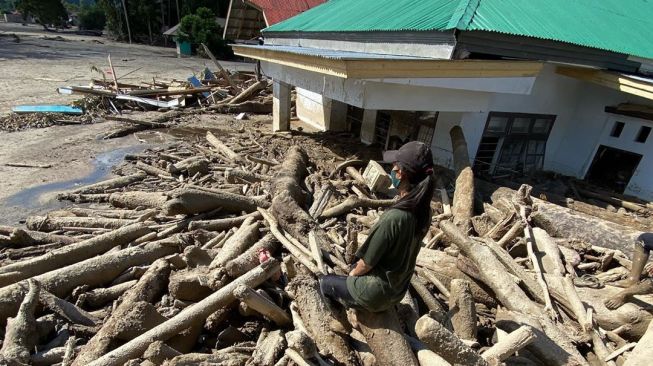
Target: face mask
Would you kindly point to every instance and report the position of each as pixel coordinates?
(395, 181)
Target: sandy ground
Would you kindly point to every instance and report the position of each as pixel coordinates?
(32, 69)
(30, 72)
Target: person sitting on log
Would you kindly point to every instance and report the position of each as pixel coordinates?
(386, 261)
(641, 250)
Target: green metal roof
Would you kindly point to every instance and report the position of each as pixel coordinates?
(621, 26)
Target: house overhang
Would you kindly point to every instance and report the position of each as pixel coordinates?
(358, 65)
(631, 84)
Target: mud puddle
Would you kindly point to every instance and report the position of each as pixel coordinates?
(42, 198)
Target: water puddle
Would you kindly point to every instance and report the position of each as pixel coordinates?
(42, 198)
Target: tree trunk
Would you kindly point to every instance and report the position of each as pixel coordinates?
(53, 223)
(385, 337)
(244, 238)
(320, 319)
(249, 259)
(462, 310)
(565, 223)
(642, 354)
(446, 344)
(71, 254)
(189, 201)
(550, 346)
(512, 343)
(186, 317)
(19, 338)
(463, 198)
(262, 305)
(135, 199)
(223, 224)
(93, 272)
(148, 287)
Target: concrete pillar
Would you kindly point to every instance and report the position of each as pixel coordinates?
(368, 126)
(280, 106)
(337, 116)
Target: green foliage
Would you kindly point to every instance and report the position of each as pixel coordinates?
(92, 17)
(201, 27)
(7, 6)
(45, 11)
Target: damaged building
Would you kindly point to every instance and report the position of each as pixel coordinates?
(536, 86)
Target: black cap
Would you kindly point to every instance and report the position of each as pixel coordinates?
(415, 157)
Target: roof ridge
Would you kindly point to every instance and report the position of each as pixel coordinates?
(462, 16)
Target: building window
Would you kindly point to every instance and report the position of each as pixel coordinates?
(513, 143)
(395, 128)
(643, 133)
(617, 129)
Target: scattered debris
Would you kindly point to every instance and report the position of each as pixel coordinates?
(209, 250)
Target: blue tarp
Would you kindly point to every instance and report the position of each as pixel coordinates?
(47, 109)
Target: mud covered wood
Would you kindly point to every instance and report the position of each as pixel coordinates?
(386, 339)
(72, 253)
(92, 272)
(186, 317)
(463, 198)
(446, 344)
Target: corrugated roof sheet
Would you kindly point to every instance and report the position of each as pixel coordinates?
(279, 10)
(332, 54)
(621, 26)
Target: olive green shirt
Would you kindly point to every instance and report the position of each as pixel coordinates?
(391, 250)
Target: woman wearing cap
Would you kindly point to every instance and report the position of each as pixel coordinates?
(380, 277)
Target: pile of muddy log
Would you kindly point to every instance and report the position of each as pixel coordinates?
(209, 252)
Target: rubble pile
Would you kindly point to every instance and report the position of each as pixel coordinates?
(104, 99)
(208, 252)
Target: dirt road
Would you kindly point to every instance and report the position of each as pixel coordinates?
(31, 70)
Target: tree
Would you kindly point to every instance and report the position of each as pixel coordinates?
(46, 12)
(201, 27)
(92, 17)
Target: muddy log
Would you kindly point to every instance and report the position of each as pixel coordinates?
(262, 305)
(289, 199)
(223, 224)
(249, 259)
(443, 267)
(319, 319)
(70, 254)
(19, 238)
(225, 150)
(446, 344)
(642, 354)
(463, 198)
(550, 345)
(53, 223)
(188, 316)
(137, 199)
(565, 222)
(512, 343)
(354, 202)
(93, 272)
(383, 334)
(244, 238)
(19, 337)
(425, 356)
(189, 201)
(103, 186)
(101, 296)
(507, 291)
(462, 310)
(147, 289)
(494, 273)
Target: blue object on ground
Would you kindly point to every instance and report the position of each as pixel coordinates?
(47, 109)
(195, 82)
